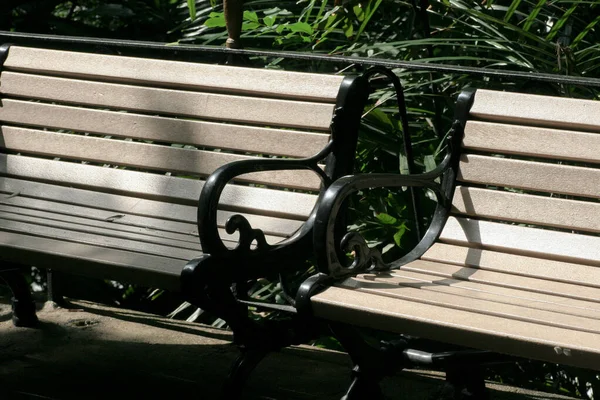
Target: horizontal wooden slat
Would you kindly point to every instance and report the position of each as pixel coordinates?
(90, 260)
(577, 274)
(175, 74)
(534, 285)
(74, 224)
(199, 133)
(35, 229)
(135, 212)
(515, 239)
(537, 110)
(523, 339)
(152, 186)
(453, 300)
(532, 141)
(143, 155)
(297, 114)
(478, 290)
(539, 210)
(496, 171)
(111, 223)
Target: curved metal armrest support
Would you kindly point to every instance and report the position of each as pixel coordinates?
(329, 247)
(211, 193)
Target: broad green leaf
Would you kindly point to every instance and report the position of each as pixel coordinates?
(269, 20)
(215, 20)
(386, 219)
(302, 27)
(399, 234)
(250, 16)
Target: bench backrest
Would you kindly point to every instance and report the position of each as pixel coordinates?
(142, 128)
(527, 200)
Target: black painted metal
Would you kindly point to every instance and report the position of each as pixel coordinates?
(184, 51)
(4, 54)
(406, 139)
(328, 248)
(23, 306)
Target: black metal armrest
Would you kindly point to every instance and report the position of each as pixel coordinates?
(330, 245)
(211, 193)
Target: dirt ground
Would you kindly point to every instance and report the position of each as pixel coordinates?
(97, 352)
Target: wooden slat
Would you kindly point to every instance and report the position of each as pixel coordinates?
(523, 339)
(539, 210)
(532, 141)
(515, 239)
(163, 217)
(170, 130)
(537, 110)
(565, 179)
(143, 155)
(534, 285)
(296, 114)
(175, 74)
(152, 186)
(96, 228)
(90, 260)
(111, 224)
(35, 229)
(454, 301)
(577, 274)
(476, 291)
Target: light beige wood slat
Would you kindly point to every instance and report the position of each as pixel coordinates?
(539, 210)
(155, 187)
(143, 155)
(565, 179)
(497, 294)
(163, 217)
(577, 274)
(171, 130)
(175, 73)
(89, 260)
(515, 239)
(109, 224)
(532, 141)
(97, 240)
(524, 339)
(537, 110)
(273, 112)
(534, 285)
(109, 229)
(453, 301)
(80, 225)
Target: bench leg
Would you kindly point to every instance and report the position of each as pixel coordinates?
(363, 387)
(23, 306)
(55, 294)
(465, 382)
(240, 371)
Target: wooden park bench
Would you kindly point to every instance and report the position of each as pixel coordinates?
(510, 263)
(103, 158)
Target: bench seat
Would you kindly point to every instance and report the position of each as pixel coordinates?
(511, 261)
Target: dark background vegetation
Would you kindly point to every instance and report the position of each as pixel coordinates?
(541, 36)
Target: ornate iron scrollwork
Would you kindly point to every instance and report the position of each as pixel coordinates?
(247, 235)
(365, 258)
